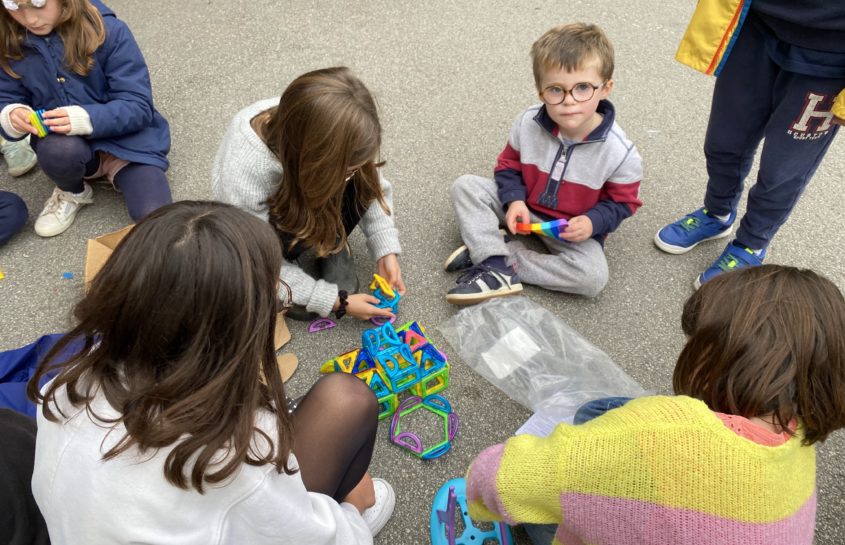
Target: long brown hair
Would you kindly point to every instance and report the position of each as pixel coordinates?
(764, 341)
(80, 27)
(178, 329)
(325, 125)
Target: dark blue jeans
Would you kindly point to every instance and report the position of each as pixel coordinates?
(13, 215)
(543, 534)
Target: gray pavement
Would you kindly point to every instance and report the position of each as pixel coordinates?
(449, 78)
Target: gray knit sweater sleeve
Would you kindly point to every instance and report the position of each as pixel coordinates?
(378, 227)
(245, 173)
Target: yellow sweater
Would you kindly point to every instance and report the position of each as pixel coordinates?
(659, 470)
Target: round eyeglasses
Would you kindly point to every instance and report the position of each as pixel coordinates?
(581, 92)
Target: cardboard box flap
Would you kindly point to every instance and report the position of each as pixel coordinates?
(99, 250)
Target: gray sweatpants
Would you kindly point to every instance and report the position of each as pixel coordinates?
(579, 267)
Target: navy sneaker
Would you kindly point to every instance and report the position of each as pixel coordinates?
(459, 260)
(482, 282)
(736, 256)
(686, 233)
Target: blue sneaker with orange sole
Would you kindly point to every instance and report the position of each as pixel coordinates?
(736, 256)
(688, 232)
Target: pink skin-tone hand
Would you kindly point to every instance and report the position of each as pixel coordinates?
(388, 268)
(19, 117)
(580, 228)
(517, 213)
(363, 306)
(57, 120)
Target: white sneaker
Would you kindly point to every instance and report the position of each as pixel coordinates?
(60, 210)
(378, 515)
(19, 156)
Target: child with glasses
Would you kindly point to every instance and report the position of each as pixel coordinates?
(308, 164)
(566, 158)
(780, 69)
(730, 458)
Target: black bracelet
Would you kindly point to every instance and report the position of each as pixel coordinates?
(342, 297)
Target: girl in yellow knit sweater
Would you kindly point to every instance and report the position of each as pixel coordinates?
(730, 459)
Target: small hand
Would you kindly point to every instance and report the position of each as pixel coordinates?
(363, 496)
(388, 268)
(57, 120)
(517, 213)
(363, 306)
(580, 228)
(19, 117)
(838, 121)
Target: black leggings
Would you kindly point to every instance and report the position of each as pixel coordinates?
(334, 432)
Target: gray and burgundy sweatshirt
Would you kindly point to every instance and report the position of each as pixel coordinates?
(598, 177)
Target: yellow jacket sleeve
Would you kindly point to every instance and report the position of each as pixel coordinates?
(839, 105)
(710, 34)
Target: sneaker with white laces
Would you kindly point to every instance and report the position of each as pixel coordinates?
(378, 515)
(18, 155)
(60, 210)
(482, 282)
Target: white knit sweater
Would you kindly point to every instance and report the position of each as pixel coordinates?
(246, 174)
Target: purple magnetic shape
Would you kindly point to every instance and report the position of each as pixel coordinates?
(410, 441)
(410, 402)
(321, 324)
(379, 321)
(453, 425)
(447, 517)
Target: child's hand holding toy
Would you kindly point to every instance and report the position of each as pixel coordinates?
(40, 122)
(57, 120)
(517, 213)
(580, 228)
(363, 306)
(388, 268)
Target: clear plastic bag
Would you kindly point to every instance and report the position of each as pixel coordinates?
(535, 357)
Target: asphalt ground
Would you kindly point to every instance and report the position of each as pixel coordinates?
(449, 77)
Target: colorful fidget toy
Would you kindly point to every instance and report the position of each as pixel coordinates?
(36, 119)
(551, 229)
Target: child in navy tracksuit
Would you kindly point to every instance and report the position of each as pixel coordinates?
(80, 64)
(565, 159)
(778, 83)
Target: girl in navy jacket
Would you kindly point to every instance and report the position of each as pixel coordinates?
(78, 63)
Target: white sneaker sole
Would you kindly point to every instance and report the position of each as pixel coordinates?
(678, 250)
(473, 298)
(55, 228)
